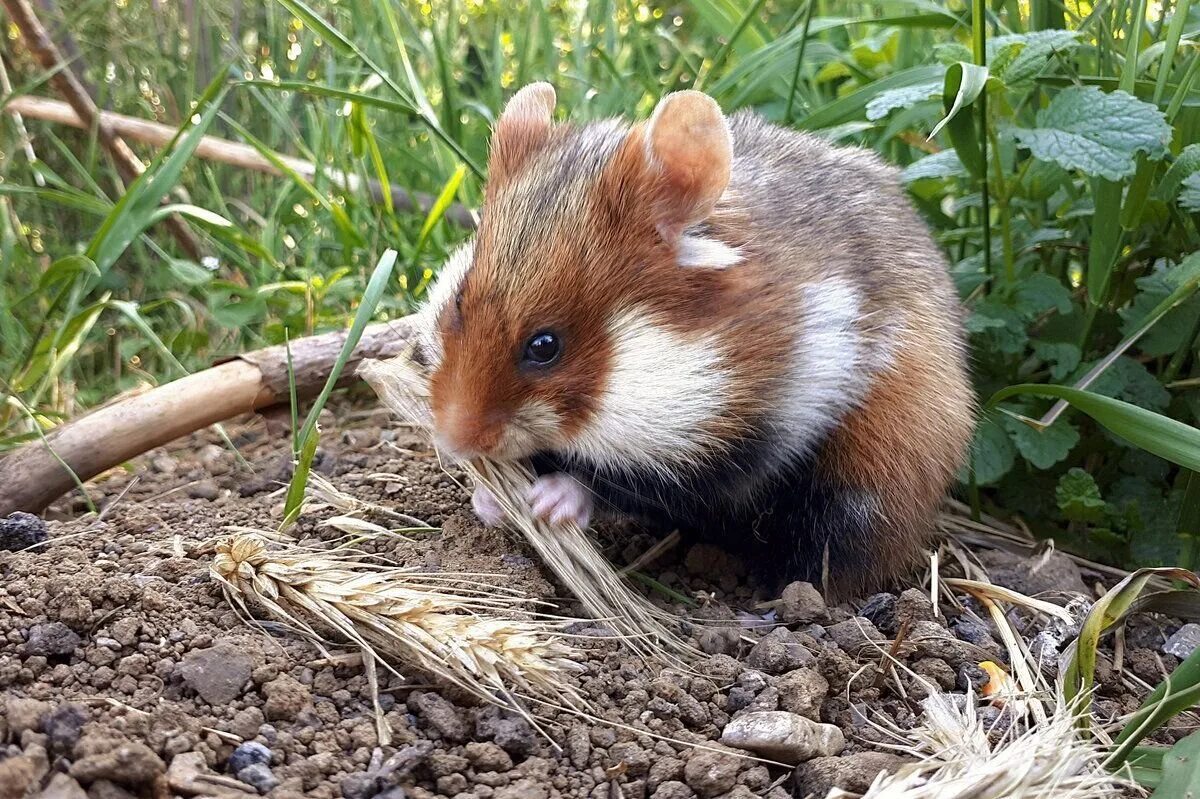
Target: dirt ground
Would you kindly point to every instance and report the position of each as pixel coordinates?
(124, 672)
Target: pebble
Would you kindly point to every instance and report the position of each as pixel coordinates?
(52, 639)
(711, 773)
(777, 653)
(880, 610)
(780, 735)
(512, 733)
(855, 634)
(62, 727)
(359, 786)
(218, 674)
(801, 603)
(189, 775)
(673, 789)
(205, 489)
(62, 787)
(802, 691)
(440, 714)
(1183, 642)
(853, 773)
(258, 776)
(248, 754)
(287, 698)
(20, 530)
(25, 714)
(486, 756)
(133, 764)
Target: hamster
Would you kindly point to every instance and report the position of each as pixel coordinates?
(707, 323)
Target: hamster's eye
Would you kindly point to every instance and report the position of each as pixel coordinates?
(542, 349)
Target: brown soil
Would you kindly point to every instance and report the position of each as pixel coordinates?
(124, 672)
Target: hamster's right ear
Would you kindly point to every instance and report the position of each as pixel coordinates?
(523, 128)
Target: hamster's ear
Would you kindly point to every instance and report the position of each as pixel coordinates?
(523, 128)
(688, 150)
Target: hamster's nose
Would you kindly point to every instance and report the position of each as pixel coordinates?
(464, 432)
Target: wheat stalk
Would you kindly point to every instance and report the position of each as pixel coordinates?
(481, 639)
(403, 387)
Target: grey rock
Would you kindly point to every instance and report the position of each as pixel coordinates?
(218, 674)
(62, 787)
(52, 639)
(855, 634)
(440, 714)
(62, 727)
(853, 773)
(20, 530)
(802, 691)
(880, 610)
(673, 789)
(801, 603)
(710, 773)
(777, 653)
(511, 732)
(24, 714)
(259, 777)
(1052, 572)
(783, 736)
(400, 765)
(247, 754)
(132, 764)
(1183, 642)
(359, 786)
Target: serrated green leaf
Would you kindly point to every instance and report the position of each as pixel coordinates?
(1020, 57)
(1062, 357)
(1039, 293)
(1096, 133)
(904, 97)
(1043, 448)
(992, 452)
(1189, 193)
(944, 164)
(1078, 496)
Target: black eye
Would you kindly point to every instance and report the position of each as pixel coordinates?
(542, 348)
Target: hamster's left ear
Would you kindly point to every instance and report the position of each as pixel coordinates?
(522, 130)
(686, 153)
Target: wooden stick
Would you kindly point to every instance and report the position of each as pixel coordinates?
(214, 148)
(34, 476)
(68, 85)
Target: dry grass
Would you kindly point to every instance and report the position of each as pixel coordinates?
(566, 549)
(481, 637)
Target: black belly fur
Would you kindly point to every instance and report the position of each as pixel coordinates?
(795, 521)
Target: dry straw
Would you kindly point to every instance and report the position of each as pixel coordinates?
(570, 553)
(462, 628)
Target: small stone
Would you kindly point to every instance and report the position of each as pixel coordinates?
(107, 789)
(247, 722)
(400, 765)
(635, 759)
(802, 691)
(247, 754)
(20, 530)
(287, 698)
(259, 777)
(205, 489)
(971, 676)
(52, 639)
(17, 775)
(1051, 572)
(25, 714)
(442, 763)
(522, 789)
(777, 653)
(673, 789)
(487, 756)
(440, 714)
(880, 610)
(853, 773)
(855, 634)
(218, 674)
(132, 764)
(973, 632)
(359, 786)
(62, 787)
(1183, 642)
(912, 606)
(801, 603)
(511, 732)
(710, 773)
(62, 727)
(783, 736)
(664, 769)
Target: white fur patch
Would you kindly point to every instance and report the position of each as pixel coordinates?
(707, 253)
(449, 278)
(662, 389)
(833, 364)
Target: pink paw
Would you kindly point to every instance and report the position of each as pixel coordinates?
(559, 498)
(486, 507)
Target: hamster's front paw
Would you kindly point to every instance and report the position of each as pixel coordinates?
(486, 507)
(559, 498)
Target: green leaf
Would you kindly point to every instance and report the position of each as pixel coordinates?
(1176, 693)
(1153, 432)
(936, 166)
(852, 106)
(1097, 133)
(1062, 356)
(1039, 293)
(1189, 193)
(992, 452)
(1029, 53)
(189, 273)
(903, 97)
(1186, 163)
(1078, 496)
(1180, 770)
(1171, 328)
(66, 270)
(1046, 447)
(961, 86)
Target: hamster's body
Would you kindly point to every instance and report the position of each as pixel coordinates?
(750, 333)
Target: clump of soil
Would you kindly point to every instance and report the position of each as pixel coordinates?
(126, 674)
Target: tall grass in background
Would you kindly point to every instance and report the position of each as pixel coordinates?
(1062, 177)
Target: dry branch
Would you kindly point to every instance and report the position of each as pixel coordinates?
(69, 86)
(35, 475)
(214, 148)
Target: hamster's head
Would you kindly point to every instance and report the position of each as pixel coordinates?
(575, 321)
